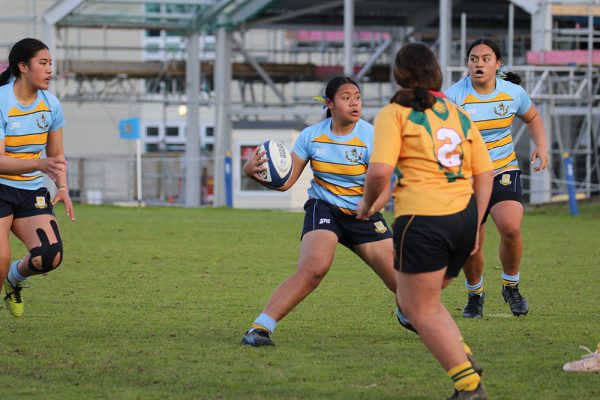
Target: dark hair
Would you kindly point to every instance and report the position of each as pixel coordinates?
(507, 76)
(417, 72)
(333, 85)
(22, 51)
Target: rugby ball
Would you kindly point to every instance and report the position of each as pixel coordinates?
(279, 165)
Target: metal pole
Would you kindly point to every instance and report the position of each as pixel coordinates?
(590, 93)
(192, 145)
(138, 163)
(511, 33)
(445, 38)
(222, 85)
(463, 39)
(348, 34)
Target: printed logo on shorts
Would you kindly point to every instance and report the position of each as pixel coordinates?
(324, 221)
(40, 202)
(380, 227)
(505, 180)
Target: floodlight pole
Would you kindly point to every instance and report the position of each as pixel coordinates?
(192, 144)
(222, 83)
(445, 38)
(348, 34)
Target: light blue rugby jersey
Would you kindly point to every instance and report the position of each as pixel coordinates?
(493, 115)
(25, 130)
(339, 163)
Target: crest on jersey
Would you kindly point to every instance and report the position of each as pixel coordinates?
(501, 110)
(42, 122)
(353, 155)
(40, 202)
(439, 107)
(380, 227)
(505, 180)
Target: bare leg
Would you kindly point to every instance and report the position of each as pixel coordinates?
(5, 224)
(420, 298)
(25, 230)
(380, 257)
(473, 268)
(316, 256)
(508, 216)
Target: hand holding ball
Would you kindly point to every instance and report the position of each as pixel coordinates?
(279, 164)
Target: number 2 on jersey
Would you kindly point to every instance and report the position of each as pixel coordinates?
(447, 153)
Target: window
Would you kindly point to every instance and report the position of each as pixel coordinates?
(152, 131)
(160, 138)
(172, 131)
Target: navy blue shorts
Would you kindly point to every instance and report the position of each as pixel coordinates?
(430, 243)
(349, 230)
(21, 203)
(507, 186)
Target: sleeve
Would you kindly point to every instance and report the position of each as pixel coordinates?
(2, 126)
(524, 101)
(388, 136)
(58, 118)
(480, 157)
(301, 145)
(452, 93)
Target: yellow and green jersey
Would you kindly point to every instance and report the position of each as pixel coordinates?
(436, 152)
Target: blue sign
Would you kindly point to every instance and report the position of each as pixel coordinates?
(570, 177)
(129, 128)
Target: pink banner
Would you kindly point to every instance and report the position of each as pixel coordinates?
(562, 57)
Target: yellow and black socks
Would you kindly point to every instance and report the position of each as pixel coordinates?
(464, 377)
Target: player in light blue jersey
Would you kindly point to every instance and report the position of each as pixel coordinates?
(338, 150)
(493, 100)
(31, 123)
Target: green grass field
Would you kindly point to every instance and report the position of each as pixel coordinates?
(152, 303)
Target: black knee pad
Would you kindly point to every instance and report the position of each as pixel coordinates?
(41, 258)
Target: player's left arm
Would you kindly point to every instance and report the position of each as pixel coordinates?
(55, 149)
(377, 189)
(535, 127)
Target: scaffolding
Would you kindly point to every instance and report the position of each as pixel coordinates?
(243, 81)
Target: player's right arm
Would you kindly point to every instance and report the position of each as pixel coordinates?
(254, 166)
(13, 166)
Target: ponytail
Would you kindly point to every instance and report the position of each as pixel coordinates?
(511, 77)
(5, 76)
(417, 98)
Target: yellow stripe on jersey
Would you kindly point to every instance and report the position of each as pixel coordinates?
(340, 190)
(347, 211)
(474, 100)
(340, 169)
(26, 140)
(15, 112)
(499, 123)
(24, 156)
(503, 161)
(508, 168)
(499, 143)
(352, 142)
(21, 177)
